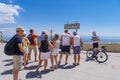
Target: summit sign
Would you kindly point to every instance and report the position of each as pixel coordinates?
(72, 26)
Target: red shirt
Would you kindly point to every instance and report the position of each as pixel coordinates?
(34, 36)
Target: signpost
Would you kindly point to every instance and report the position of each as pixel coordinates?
(72, 26)
(1, 36)
(51, 34)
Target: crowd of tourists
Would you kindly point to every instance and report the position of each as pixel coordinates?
(53, 49)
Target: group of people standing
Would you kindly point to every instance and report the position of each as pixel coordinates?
(47, 49)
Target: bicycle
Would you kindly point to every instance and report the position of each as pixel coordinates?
(99, 55)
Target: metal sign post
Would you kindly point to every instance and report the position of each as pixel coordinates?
(1, 36)
(51, 34)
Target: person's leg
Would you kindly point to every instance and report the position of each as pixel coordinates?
(75, 58)
(39, 54)
(78, 51)
(74, 51)
(66, 58)
(56, 61)
(29, 54)
(16, 66)
(35, 53)
(78, 59)
(45, 64)
(15, 74)
(25, 61)
(67, 49)
(61, 54)
(52, 62)
(39, 64)
(40, 61)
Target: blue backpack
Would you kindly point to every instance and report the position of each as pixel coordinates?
(30, 38)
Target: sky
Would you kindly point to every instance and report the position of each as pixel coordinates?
(102, 16)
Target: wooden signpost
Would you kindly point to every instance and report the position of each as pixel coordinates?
(75, 26)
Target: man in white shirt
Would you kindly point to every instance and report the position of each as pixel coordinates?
(65, 39)
(76, 42)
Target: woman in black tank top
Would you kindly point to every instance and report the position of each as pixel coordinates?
(44, 47)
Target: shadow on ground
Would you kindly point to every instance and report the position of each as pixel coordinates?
(7, 60)
(8, 64)
(33, 74)
(90, 59)
(68, 67)
(32, 67)
(48, 71)
(7, 72)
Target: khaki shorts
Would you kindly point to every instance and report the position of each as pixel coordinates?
(17, 62)
(31, 47)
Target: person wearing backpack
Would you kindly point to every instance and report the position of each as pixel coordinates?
(32, 38)
(45, 47)
(19, 52)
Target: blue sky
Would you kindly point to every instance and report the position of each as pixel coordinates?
(102, 16)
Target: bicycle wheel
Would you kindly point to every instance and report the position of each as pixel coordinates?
(101, 57)
(90, 53)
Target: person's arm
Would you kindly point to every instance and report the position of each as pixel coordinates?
(39, 45)
(21, 48)
(72, 40)
(50, 45)
(19, 43)
(61, 38)
(28, 42)
(54, 43)
(38, 42)
(81, 43)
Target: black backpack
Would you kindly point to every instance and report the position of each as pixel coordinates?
(30, 38)
(9, 48)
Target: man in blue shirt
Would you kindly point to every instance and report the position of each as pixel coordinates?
(19, 52)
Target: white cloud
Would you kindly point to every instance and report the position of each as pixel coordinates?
(8, 13)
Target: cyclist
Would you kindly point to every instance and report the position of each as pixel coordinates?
(95, 39)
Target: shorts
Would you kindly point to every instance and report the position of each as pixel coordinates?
(45, 55)
(95, 45)
(26, 50)
(32, 47)
(55, 51)
(76, 50)
(17, 62)
(65, 49)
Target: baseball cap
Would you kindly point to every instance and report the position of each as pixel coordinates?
(19, 29)
(43, 30)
